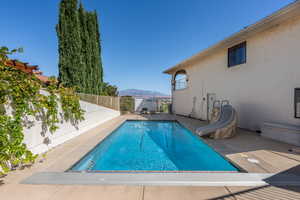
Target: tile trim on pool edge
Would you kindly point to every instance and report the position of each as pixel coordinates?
(148, 172)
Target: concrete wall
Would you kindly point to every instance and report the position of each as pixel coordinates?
(137, 104)
(261, 90)
(140, 103)
(95, 115)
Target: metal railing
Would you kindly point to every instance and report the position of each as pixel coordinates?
(180, 84)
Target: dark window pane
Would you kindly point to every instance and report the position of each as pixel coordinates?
(240, 55)
(237, 54)
(297, 102)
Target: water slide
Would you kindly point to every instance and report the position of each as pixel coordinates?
(223, 127)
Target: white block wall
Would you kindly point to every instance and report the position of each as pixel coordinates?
(95, 115)
(140, 103)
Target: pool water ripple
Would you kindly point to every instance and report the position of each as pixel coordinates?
(153, 146)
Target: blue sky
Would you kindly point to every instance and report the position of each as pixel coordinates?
(140, 38)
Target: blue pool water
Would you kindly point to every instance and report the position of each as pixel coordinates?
(153, 146)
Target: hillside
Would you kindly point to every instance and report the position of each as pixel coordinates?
(142, 93)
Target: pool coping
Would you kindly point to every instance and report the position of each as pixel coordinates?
(182, 179)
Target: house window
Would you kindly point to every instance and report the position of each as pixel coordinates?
(180, 80)
(297, 102)
(237, 54)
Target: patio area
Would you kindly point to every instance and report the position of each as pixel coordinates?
(252, 153)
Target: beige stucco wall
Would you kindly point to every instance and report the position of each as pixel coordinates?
(261, 90)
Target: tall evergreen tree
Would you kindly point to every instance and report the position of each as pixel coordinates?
(80, 62)
(99, 45)
(85, 48)
(95, 52)
(68, 31)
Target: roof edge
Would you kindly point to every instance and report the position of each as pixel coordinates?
(283, 14)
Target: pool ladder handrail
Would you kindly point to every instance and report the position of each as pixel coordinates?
(91, 165)
(226, 102)
(220, 103)
(215, 102)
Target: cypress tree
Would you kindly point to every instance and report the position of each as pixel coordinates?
(90, 31)
(85, 48)
(61, 32)
(98, 38)
(68, 32)
(94, 53)
(78, 34)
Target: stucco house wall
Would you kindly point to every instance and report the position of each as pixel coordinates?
(261, 90)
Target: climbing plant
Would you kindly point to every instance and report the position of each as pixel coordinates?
(24, 99)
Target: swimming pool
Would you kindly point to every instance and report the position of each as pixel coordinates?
(152, 146)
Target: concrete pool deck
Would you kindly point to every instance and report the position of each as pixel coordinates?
(269, 156)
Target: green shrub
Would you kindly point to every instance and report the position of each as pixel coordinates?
(126, 104)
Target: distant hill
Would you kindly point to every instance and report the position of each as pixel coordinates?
(142, 93)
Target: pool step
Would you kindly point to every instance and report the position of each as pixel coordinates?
(193, 179)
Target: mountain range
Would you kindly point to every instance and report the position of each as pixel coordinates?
(142, 93)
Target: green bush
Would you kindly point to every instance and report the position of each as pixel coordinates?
(126, 104)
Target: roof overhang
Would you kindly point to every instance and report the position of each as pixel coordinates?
(290, 11)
